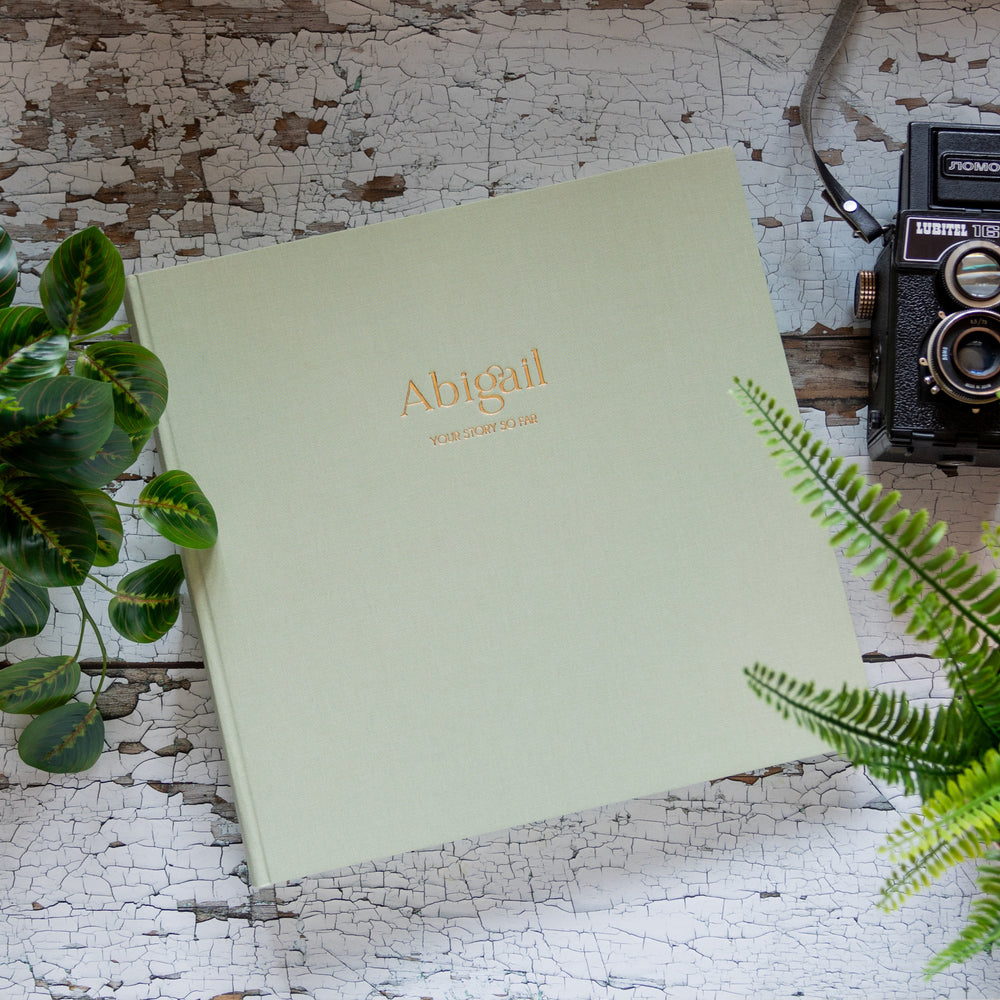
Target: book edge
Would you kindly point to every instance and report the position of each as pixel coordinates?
(242, 791)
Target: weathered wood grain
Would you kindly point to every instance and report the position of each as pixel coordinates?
(830, 369)
(189, 129)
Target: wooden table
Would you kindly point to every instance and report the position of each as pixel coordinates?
(189, 129)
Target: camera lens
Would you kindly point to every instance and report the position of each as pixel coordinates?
(978, 275)
(977, 354)
(963, 356)
(972, 273)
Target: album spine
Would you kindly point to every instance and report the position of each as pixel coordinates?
(142, 330)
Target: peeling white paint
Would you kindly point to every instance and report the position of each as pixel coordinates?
(176, 125)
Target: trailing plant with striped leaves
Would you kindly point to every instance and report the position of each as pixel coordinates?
(78, 401)
(950, 755)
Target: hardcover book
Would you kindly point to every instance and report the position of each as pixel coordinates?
(495, 540)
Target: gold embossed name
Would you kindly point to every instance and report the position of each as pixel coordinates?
(488, 390)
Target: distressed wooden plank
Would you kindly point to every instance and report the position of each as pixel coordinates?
(194, 129)
(830, 370)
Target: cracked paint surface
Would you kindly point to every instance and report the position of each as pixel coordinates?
(197, 129)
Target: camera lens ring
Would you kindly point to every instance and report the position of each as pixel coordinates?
(963, 356)
(971, 274)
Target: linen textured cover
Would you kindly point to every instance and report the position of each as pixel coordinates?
(495, 540)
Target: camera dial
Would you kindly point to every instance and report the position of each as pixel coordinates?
(864, 295)
(963, 356)
(971, 274)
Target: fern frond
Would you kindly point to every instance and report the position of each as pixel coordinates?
(982, 929)
(949, 600)
(950, 755)
(959, 736)
(897, 742)
(991, 538)
(958, 823)
(975, 676)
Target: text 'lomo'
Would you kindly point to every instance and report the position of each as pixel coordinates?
(488, 390)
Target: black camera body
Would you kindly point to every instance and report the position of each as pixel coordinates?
(934, 303)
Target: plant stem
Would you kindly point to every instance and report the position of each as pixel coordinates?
(79, 642)
(88, 618)
(99, 335)
(101, 583)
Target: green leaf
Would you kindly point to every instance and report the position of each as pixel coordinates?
(83, 284)
(859, 544)
(852, 474)
(139, 440)
(930, 539)
(136, 376)
(982, 930)
(24, 607)
(958, 822)
(59, 422)
(8, 269)
(915, 526)
(897, 741)
(988, 604)
(66, 739)
(110, 461)
(949, 755)
(29, 348)
(896, 521)
(980, 586)
(869, 497)
(885, 576)
(175, 506)
(872, 561)
(148, 600)
(901, 585)
(47, 536)
(108, 524)
(39, 684)
(844, 534)
(878, 512)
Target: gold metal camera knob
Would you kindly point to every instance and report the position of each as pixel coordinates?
(864, 295)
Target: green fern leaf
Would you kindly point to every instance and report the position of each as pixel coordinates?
(930, 540)
(961, 575)
(877, 729)
(930, 581)
(982, 929)
(940, 562)
(868, 498)
(915, 528)
(846, 533)
(901, 585)
(980, 587)
(948, 756)
(852, 474)
(957, 823)
(890, 502)
(859, 545)
(976, 680)
(871, 562)
(886, 576)
(897, 520)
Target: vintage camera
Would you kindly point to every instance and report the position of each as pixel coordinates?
(934, 303)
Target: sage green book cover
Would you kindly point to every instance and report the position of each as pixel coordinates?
(495, 541)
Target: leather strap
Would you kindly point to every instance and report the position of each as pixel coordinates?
(860, 219)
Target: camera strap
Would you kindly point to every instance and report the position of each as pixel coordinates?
(860, 219)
